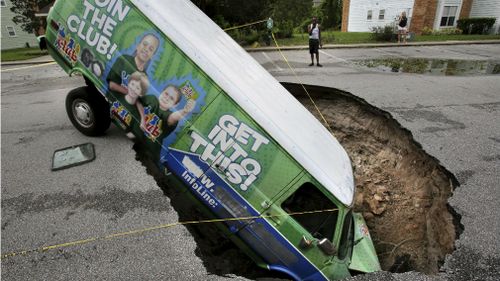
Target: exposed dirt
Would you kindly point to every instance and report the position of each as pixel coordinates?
(401, 191)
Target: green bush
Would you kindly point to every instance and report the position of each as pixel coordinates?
(448, 31)
(244, 37)
(427, 30)
(443, 31)
(251, 37)
(476, 25)
(383, 33)
(284, 29)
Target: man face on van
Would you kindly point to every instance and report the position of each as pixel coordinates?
(147, 48)
(169, 98)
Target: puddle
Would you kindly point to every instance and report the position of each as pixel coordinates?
(433, 66)
(401, 191)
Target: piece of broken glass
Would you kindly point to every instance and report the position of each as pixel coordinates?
(73, 156)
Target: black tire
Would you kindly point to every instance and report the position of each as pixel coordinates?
(88, 110)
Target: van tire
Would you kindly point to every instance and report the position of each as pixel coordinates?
(88, 111)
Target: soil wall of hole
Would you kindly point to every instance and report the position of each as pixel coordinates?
(401, 191)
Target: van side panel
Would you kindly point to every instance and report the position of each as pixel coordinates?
(236, 149)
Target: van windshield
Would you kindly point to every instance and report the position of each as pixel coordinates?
(313, 211)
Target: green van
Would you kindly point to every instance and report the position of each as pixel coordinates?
(218, 123)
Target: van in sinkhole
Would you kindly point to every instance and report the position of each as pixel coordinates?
(219, 124)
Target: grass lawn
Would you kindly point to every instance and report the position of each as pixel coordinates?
(22, 54)
(337, 37)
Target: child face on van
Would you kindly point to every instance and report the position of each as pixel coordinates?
(147, 48)
(134, 88)
(169, 98)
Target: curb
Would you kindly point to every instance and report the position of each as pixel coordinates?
(373, 45)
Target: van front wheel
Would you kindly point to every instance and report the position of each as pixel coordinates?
(88, 111)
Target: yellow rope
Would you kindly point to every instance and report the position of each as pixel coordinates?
(140, 231)
(302, 84)
(244, 25)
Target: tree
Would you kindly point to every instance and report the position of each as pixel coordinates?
(332, 13)
(234, 12)
(289, 14)
(242, 12)
(25, 13)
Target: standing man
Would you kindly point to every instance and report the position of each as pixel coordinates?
(314, 40)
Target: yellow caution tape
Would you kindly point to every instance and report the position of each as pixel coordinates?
(143, 230)
(244, 25)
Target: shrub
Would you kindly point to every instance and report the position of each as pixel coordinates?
(246, 37)
(443, 31)
(450, 31)
(284, 29)
(427, 30)
(476, 25)
(384, 33)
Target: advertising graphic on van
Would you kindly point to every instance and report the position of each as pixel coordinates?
(239, 138)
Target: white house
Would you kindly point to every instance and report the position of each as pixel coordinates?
(12, 34)
(365, 14)
(362, 15)
(487, 8)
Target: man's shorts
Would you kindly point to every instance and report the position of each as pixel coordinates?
(313, 46)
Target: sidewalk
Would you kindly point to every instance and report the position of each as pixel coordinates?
(48, 59)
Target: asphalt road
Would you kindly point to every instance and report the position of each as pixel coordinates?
(455, 118)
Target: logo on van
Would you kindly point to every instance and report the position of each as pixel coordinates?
(229, 147)
(67, 45)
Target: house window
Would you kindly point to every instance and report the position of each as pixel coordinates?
(11, 31)
(313, 211)
(381, 14)
(2, 3)
(369, 15)
(449, 13)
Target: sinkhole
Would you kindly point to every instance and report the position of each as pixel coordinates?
(401, 191)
